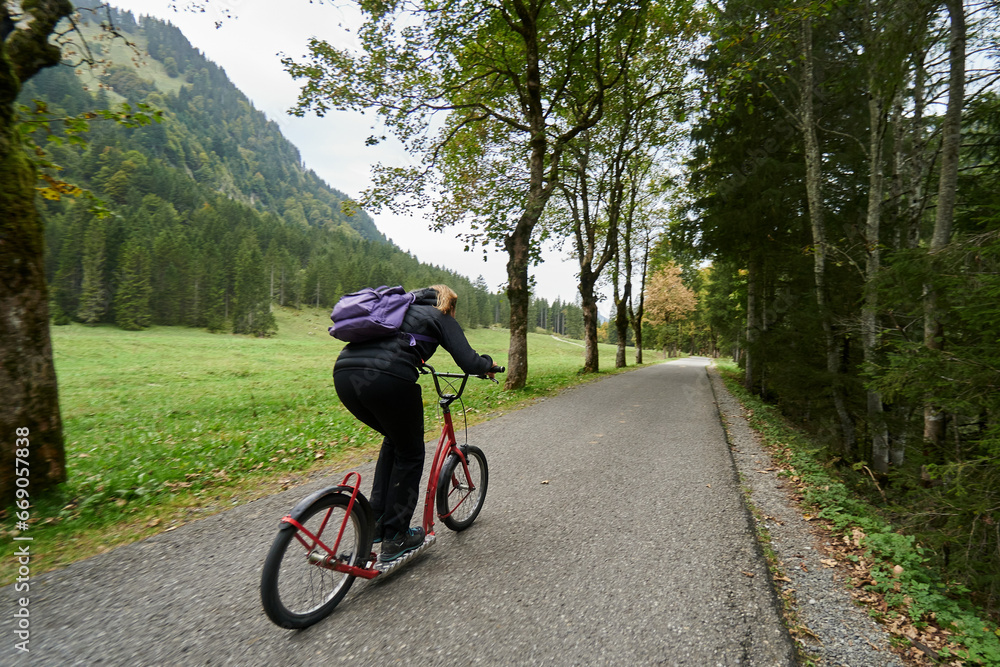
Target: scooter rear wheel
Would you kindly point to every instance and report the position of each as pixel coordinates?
(297, 587)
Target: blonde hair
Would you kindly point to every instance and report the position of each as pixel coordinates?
(446, 299)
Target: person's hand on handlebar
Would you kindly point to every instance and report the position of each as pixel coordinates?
(493, 371)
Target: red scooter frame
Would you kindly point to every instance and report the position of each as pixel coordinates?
(447, 445)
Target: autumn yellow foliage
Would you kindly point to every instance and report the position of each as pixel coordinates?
(667, 297)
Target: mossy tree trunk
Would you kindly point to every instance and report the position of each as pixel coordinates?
(30, 405)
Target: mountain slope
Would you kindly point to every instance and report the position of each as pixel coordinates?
(214, 216)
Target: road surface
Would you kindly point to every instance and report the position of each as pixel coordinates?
(613, 533)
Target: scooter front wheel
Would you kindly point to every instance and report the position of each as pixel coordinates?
(460, 496)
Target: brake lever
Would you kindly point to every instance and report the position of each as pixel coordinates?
(499, 369)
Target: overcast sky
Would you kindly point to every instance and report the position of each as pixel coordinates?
(247, 47)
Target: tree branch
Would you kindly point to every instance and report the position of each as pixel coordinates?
(29, 48)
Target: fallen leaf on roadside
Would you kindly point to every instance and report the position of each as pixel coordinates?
(749, 574)
(545, 481)
(829, 562)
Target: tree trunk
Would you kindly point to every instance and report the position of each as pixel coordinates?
(621, 324)
(29, 413)
(30, 423)
(951, 137)
(638, 334)
(897, 445)
(518, 242)
(751, 378)
(814, 175)
(869, 311)
(592, 256)
(623, 300)
(635, 314)
(518, 294)
(910, 162)
(591, 362)
(621, 313)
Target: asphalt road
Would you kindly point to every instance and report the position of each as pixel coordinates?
(613, 533)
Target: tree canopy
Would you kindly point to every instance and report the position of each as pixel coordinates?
(488, 96)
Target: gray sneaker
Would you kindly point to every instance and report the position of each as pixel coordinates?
(402, 543)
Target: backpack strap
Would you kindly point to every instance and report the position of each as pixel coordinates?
(412, 338)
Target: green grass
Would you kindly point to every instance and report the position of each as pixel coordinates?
(168, 424)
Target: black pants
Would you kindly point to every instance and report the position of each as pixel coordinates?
(393, 407)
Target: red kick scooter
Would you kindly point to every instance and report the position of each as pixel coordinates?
(325, 542)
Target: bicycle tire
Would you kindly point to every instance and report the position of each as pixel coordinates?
(297, 593)
(458, 502)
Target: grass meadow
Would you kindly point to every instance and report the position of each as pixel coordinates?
(167, 425)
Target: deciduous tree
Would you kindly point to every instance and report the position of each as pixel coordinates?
(30, 407)
(668, 299)
(607, 165)
(517, 81)
(951, 140)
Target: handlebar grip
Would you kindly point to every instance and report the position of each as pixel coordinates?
(493, 370)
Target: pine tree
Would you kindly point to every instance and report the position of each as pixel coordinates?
(65, 284)
(171, 256)
(252, 303)
(132, 310)
(214, 312)
(93, 294)
(197, 289)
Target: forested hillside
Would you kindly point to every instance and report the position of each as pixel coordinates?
(213, 215)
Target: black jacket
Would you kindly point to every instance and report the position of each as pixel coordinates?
(395, 356)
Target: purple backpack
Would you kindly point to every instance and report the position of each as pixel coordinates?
(373, 313)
